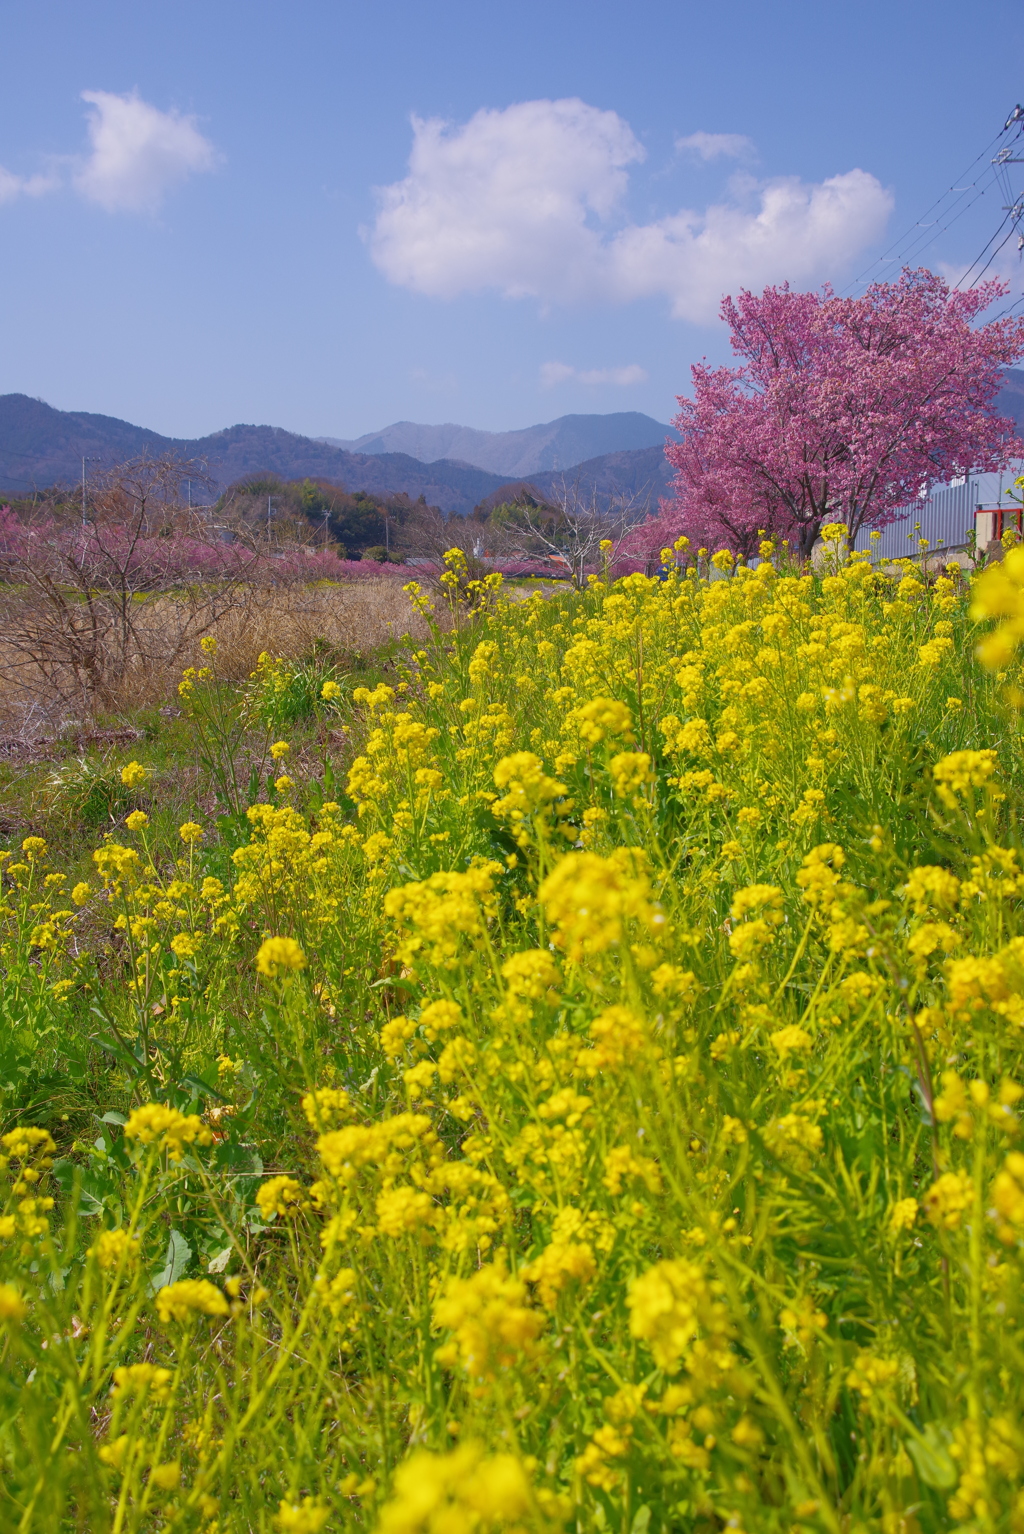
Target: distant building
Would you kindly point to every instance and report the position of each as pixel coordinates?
(948, 514)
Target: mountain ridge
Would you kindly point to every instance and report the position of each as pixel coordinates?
(41, 446)
(550, 445)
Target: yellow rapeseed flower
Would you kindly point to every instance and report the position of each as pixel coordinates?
(114, 1247)
(172, 1131)
(12, 1306)
(306, 1517)
(669, 1305)
(602, 717)
(790, 1038)
(590, 899)
(167, 1476)
(902, 1215)
(962, 771)
(630, 772)
(464, 1492)
(947, 1198)
(279, 1195)
(136, 1379)
(490, 1321)
(178, 1302)
(279, 955)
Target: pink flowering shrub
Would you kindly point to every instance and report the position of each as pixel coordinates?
(840, 409)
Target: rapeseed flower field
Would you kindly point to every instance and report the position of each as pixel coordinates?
(602, 1111)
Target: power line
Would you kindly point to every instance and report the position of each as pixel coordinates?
(923, 243)
(1016, 303)
(1009, 236)
(964, 276)
(919, 222)
(925, 231)
(1013, 208)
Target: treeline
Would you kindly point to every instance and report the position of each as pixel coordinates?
(156, 501)
(355, 524)
(514, 521)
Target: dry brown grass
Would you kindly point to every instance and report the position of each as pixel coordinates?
(285, 620)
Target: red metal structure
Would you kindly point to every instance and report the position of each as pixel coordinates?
(992, 522)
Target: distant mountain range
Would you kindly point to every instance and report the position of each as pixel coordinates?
(606, 455)
(642, 475)
(560, 445)
(41, 446)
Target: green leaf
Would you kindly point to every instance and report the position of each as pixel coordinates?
(933, 1464)
(641, 1519)
(176, 1260)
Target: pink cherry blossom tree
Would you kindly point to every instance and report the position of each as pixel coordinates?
(841, 409)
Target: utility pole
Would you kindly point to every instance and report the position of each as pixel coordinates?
(270, 500)
(85, 460)
(1014, 206)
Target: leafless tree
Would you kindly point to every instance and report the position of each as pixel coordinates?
(425, 533)
(569, 529)
(89, 600)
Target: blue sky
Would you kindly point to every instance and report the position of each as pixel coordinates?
(204, 240)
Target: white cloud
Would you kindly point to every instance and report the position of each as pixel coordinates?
(713, 146)
(1005, 267)
(553, 373)
(12, 186)
(522, 201)
(504, 201)
(798, 233)
(138, 152)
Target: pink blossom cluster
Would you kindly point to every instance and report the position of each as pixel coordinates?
(841, 409)
(99, 552)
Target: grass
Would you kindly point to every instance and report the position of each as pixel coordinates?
(137, 662)
(568, 1079)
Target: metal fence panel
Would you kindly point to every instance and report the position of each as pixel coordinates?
(945, 518)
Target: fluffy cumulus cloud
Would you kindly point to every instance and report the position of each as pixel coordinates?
(716, 146)
(138, 153)
(509, 202)
(794, 233)
(553, 373)
(527, 201)
(12, 186)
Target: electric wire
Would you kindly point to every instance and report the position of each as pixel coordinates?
(918, 223)
(1015, 304)
(992, 237)
(1009, 236)
(923, 244)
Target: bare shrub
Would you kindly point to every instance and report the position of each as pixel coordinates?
(287, 621)
(78, 580)
(105, 610)
(577, 530)
(284, 620)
